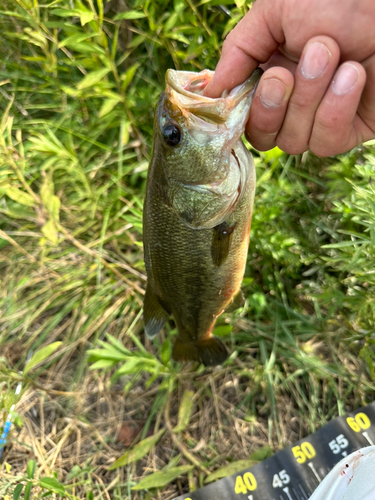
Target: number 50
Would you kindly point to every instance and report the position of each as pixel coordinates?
(303, 452)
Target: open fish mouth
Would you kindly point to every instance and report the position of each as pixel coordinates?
(185, 89)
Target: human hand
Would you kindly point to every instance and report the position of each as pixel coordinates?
(318, 90)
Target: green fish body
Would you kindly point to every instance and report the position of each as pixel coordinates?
(197, 212)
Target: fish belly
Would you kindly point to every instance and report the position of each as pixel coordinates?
(184, 280)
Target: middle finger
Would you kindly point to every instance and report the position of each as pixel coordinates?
(317, 65)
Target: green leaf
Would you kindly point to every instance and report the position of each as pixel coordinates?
(41, 355)
(52, 204)
(65, 12)
(222, 330)
(20, 196)
(54, 208)
(50, 232)
(86, 17)
(228, 470)
(108, 105)
(131, 366)
(139, 451)
(240, 465)
(15, 14)
(87, 47)
(74, 472)
(261, 453)
(52, 484)
(17, 491)
(343, 244)
(184, 412)
(92, 78)
(128, 76)
(28, 491)
(107, 354)
(272, 154)
(131, 14)
(102, 363)
(119, 346)
(166, 351)
(30, 471)
(162, 478)
(77, 38)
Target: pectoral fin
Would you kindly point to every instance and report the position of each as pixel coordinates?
(238, 301)
(221, 238)
(154, 314)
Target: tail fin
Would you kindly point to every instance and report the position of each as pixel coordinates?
(210, 351)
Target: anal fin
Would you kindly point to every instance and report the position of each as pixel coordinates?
(238, 301)
(210, 351)
(154, 314)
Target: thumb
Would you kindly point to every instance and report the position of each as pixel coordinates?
(248, 44)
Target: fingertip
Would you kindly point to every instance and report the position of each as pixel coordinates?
(269, 107)
(275, 87)
(248, 44)
(233, 68)
(337, 128)
(347, 77)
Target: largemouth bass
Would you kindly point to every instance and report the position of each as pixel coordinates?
(197, 212)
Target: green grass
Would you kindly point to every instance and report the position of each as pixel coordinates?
(78, 84)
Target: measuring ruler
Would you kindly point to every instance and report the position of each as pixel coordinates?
(295, 472)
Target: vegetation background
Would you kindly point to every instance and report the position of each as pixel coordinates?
(103, 413)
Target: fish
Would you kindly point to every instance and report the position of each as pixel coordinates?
(197, 212)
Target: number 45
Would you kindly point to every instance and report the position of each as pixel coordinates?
(338, 444)
(280, 479)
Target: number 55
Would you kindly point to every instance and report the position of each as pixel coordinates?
(338, 444)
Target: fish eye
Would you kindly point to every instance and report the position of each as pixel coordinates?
(172, 135)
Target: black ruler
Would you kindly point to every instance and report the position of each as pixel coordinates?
(295, 472)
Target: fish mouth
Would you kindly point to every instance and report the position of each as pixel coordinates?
(185, 89)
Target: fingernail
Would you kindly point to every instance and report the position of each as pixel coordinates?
(272, 93)
(345, 79)
(315, 60)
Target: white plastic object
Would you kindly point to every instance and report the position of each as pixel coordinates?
(353, 478)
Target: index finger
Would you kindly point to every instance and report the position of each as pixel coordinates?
(248, 44)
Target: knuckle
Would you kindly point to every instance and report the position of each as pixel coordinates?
(262, 146)
(330, 135)
(300, 103)
(321, 151)
(322, 146)
(226, 44)
(290, 146)
(261, 142)
(264, 128)
(260, 126)
(328, 121)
